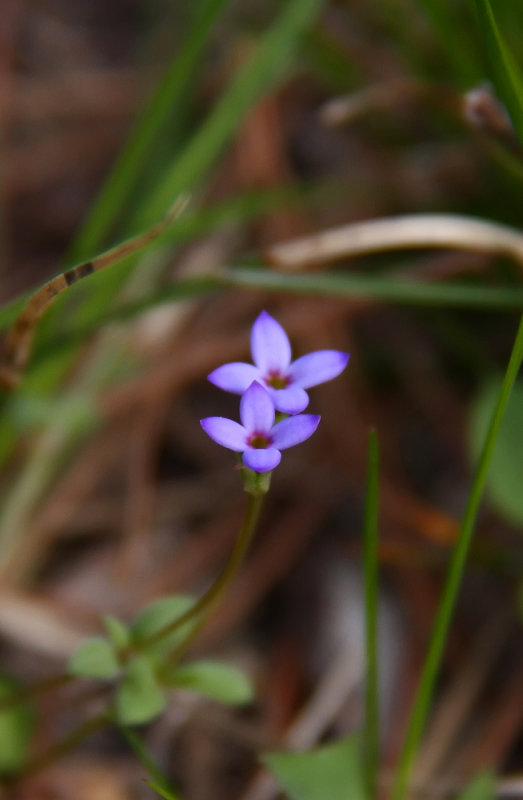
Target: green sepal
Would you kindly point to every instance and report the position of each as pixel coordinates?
(255, 483)
(139, 698)
(214, 679)
(95, 658)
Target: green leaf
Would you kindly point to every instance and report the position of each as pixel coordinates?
(482, 787)
(158, 615)
(95, 658)
(16, 730)
(117, 631)
(504, 479)
(506, 72)
(213, 679)
(139, 698)
(333, 772)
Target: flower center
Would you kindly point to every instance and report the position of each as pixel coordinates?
(276, 380)
(259, 441)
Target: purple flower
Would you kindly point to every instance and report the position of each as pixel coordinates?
(285, 381)
(258, 439)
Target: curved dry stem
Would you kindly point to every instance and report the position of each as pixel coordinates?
(412, 231)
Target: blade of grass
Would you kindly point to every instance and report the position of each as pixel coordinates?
(339, 72)
(115, 193)
(399, 290)
(507, 75)
(370, 570)
(271, 57)
(351, 286)
(160, 782)
(162, 792)
(455, 571)
(196, 223)
(454, 39)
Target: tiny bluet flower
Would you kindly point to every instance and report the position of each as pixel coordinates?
(258, 438)
(285, 380)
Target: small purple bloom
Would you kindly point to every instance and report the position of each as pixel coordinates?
(285, 381)
(258, 439)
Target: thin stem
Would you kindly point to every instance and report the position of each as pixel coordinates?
(453, 580)
(26, 693)
(370, 564)
(145, 759)
(217, 590)
(208, 600)
(65, 745)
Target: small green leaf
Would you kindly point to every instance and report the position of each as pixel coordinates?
(117, 631)
(158, 615)
(139, 698)
(505, 476)
(482, 787)
(16, 730)
(333, 772)
(95, 658)
(213, 679)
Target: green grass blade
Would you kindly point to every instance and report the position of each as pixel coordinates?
(454, 39)
(506, 72)
(162, 792)
(339, 285)
(370, 569)
(159, 781)
(453, 580)
(118, 187)
(271, 57)
(393, 289)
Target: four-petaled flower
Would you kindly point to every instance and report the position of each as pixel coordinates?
(285, 381)
(258, 439)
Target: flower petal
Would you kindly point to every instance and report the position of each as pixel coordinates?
(235, 377)
(291, 400)
(318, 367)
(225, 432)
(294, 430)
(270, 347)
(257, 409)
(262, 460)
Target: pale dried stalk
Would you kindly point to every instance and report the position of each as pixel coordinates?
(413, 231)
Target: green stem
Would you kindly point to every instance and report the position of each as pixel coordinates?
(370, 563)
(145, 759)
(65, 745)
(453, 580)
(208, 601)
(26, 693)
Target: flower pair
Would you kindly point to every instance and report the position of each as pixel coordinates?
(273, 383)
